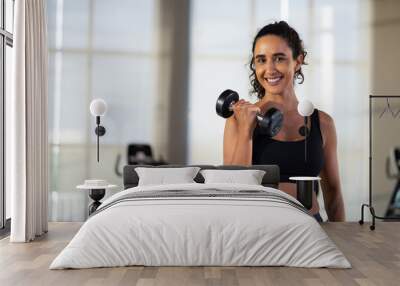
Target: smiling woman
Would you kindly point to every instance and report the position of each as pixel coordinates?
(278, 55)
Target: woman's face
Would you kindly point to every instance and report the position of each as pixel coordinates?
(274, 64)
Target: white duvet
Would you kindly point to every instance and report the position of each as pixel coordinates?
(200, 231)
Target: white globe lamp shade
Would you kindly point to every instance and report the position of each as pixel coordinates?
(305, 107)
(98, 107)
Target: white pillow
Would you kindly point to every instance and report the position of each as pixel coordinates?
(248, 177)
(163, 176)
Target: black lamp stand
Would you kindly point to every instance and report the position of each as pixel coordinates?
(100, 131)
(96, 195)
(304, 132)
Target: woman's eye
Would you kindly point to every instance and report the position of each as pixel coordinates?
(260, 60)
(279, 59)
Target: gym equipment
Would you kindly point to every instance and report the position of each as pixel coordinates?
(305, 108)
(137, 154)
(393, 172)
(270, 122)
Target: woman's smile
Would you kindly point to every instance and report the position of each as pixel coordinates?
(273, 80)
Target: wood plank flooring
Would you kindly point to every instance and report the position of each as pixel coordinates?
(374, 255)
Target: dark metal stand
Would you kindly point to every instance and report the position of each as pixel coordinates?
(369, 205)
(100, 131)
(305, 138)
(96, 195)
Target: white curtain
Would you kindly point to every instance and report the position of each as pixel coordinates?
(27, 123)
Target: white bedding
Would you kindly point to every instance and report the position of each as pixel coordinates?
(227, 231)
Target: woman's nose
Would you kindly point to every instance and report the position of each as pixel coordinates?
(269, 66)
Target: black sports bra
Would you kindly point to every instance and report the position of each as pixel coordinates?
(289, 155)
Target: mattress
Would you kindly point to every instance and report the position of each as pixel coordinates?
(201, 225)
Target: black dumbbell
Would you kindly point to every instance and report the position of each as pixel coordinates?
(270, 122)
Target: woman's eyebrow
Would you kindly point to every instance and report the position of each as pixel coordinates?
(279, 55)
(274, 55)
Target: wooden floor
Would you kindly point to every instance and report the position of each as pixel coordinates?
(374, 255)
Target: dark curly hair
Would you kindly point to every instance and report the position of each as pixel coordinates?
(283, 30)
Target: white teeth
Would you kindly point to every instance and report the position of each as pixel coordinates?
(273, 80)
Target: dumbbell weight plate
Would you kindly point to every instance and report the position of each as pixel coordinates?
(271, 124)
(224, 102)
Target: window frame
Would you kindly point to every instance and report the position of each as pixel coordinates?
(6, 39)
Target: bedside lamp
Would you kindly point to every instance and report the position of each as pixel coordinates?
(305, 186)
(98, 107)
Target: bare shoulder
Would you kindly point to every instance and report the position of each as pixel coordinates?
(327, 126)
(325, 120)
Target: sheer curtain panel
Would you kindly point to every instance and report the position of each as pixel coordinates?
(27, 123)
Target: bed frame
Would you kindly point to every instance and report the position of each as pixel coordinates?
(270, 179)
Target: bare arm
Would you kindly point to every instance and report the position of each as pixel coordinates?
(238, 132)
(230, 138)
(237, 147)
(330, 179)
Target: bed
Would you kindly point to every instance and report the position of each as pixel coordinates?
(201, 224)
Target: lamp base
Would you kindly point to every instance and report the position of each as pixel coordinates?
(96, 195)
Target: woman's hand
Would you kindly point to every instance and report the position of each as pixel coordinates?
(245, 114)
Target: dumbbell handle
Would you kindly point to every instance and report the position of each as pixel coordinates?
(258, 116)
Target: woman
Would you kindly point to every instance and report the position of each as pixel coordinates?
(278, 55)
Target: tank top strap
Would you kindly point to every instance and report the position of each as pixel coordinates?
(315, 124)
